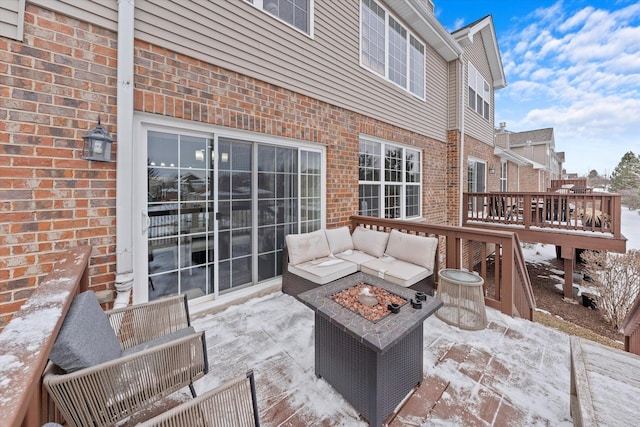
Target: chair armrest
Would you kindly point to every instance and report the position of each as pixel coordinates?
(111, 391)
(233, 403)
(137, 324)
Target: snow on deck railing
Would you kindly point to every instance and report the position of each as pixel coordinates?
(26, 341)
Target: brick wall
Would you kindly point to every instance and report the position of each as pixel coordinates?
(56, 83)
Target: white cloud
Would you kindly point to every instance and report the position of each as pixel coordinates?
(577, 71)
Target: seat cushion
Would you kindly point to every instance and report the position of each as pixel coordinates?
(356, 257)
(339, 239)
(160, 340)
(323, 270)
(307, 246)
(86, 338)
(396, 271)
(370, 241)
(420, 250)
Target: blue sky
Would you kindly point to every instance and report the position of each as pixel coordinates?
(571, 65)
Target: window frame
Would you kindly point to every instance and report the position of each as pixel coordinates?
(383, 182)
(413, 78)
(260, 5)
(478, 93)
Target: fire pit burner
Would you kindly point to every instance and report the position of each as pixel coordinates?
(348, 298)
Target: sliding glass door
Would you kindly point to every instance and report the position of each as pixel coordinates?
(218, 210)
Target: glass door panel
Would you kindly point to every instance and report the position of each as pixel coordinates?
(235, 213)
(178, 206)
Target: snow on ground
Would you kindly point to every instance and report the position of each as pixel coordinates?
(273, 335)
(631, 227)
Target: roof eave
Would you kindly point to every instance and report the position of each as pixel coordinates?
(416, 14)
(464, 37)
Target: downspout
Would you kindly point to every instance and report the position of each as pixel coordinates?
(462, 166)
(124, 171)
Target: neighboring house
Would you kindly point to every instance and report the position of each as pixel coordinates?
(537, 149)
(235, 123)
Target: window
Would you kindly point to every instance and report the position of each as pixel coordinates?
(390, 50)
(479, 93)
(476, 182)
(390, 181)
(297, 13)
(503, 176)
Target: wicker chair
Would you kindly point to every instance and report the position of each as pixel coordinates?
(231, 404)
(161, 353)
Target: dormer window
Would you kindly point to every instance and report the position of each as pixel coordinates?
(479, 93)
(390, 50)
(297, 13)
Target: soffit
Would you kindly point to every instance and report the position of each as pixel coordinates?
(425, 24)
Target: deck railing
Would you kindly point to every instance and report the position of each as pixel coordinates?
(594, 212)
(496, 255)
(631, 329)
(26, 341)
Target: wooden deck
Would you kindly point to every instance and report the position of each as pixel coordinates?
(605, 384)
(567, 220)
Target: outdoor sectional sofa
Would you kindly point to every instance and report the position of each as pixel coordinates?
(317, 258)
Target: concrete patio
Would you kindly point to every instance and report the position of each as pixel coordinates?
(514, 372)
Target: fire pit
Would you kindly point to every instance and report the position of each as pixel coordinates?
(373, 364)
(350, 299)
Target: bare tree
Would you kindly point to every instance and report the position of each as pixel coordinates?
(616, 278)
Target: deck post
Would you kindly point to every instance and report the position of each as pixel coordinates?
(568, 257)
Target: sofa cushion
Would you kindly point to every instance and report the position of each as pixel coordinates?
(396, 271)
(307, 246)
(339, 239)
(356, 257)
(370, 241)
(420, 250)
(86, 337)
(323, 270)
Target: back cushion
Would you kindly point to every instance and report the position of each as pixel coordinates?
(419, 250)
(86, 337)
(307, 247)
(339, 239)
(370, 241)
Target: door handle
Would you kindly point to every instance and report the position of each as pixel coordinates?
(146, 222)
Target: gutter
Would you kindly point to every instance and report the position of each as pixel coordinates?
(124, 168)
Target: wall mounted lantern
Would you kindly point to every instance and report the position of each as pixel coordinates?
(492, 170)
(97, 144)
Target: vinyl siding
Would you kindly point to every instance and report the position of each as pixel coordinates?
(237, 36)
(476, 125)
(12, 19)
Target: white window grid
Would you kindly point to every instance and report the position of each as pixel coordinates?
(395, 189)
(389, 49)
(479, 93)
(298, 14)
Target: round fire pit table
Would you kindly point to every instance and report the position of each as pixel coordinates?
(463, 298)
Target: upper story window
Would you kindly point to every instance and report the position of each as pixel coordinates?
(297, 13)
(390, 50)
(479, 93)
